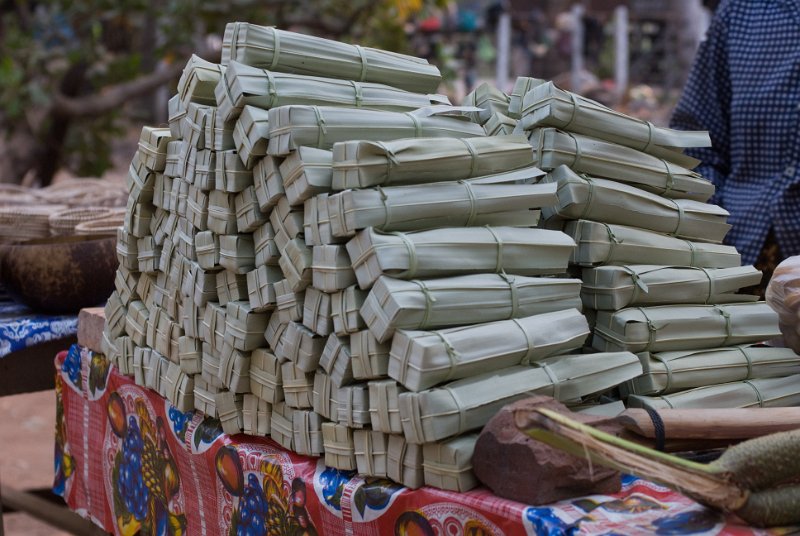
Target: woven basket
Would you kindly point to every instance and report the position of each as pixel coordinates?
(101, 226)
(63, 222)
(25, 222)
(85, 192)
(7, 188)
(12, 194)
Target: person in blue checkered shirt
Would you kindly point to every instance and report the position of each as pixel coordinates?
(744, 88)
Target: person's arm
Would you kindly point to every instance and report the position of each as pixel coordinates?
(705, 103)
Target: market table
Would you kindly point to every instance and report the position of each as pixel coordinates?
(128, 460)
(28, 342)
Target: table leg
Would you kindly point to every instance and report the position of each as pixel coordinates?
(2, 532)
(48, 512)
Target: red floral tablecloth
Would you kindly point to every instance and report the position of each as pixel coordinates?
(129, 461)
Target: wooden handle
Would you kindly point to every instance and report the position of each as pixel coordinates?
(681, 444)
(713, 423)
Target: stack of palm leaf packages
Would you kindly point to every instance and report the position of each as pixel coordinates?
(656, 280)
(319, 250)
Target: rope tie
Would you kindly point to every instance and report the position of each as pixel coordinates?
(185, 165)
(473, 155)
(670, 179)
(711, 289)
(271, 89)
(531, 345)
(317, 304)
(589, 199)
(577, 159)
(638, 283)
(348, 404)
(359, 97)
(553, 379)
(387, 207)
(235, 40)
(539, 147)
(499, 264)
(368, 453)
(429, 301)
(340, 307)
(651, 328)
(575, 107)
(692, 254)
(363, 56)
(225, 83)
(305, 426)
(325, 393)
(227, 413)
(728, 329)
(321, 123)
(383, 407)
(226, 367)
(748, 360)
(473, 203)
(417, 124)
(413, 261)
(612, 242)
(452, 354)
(668, 370)
(681, 217)
(212, 329)
(758, 393)
(514, 290)
(276, 53)
(401, 459)
(648, 145)
(462, 419)
(391, 161)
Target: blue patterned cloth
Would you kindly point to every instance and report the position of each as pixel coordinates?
(20, 327)
(744, 88)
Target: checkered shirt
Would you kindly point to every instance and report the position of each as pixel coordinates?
(744, 88)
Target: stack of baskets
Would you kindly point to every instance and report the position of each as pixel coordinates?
(69, 207)
(345, 266)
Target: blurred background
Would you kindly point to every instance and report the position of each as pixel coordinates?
(78, 78)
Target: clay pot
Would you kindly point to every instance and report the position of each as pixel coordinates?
(60, 275)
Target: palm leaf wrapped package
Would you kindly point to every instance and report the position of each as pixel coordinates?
(323, 126)
(279, 50)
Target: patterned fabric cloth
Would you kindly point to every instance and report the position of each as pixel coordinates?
(132, 463)
(744, 88)
(20, 327)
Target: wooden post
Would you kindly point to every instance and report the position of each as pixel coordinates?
(621, 54)
(503, 49)
(577, 47)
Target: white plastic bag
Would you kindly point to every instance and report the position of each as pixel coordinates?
(783, 295)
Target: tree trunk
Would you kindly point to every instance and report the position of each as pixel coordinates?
(50, 149)
(16, 149)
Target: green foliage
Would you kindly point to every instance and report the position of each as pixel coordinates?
(87, 150)
(81, 47)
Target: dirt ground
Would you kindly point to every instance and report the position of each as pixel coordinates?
(26, 454)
